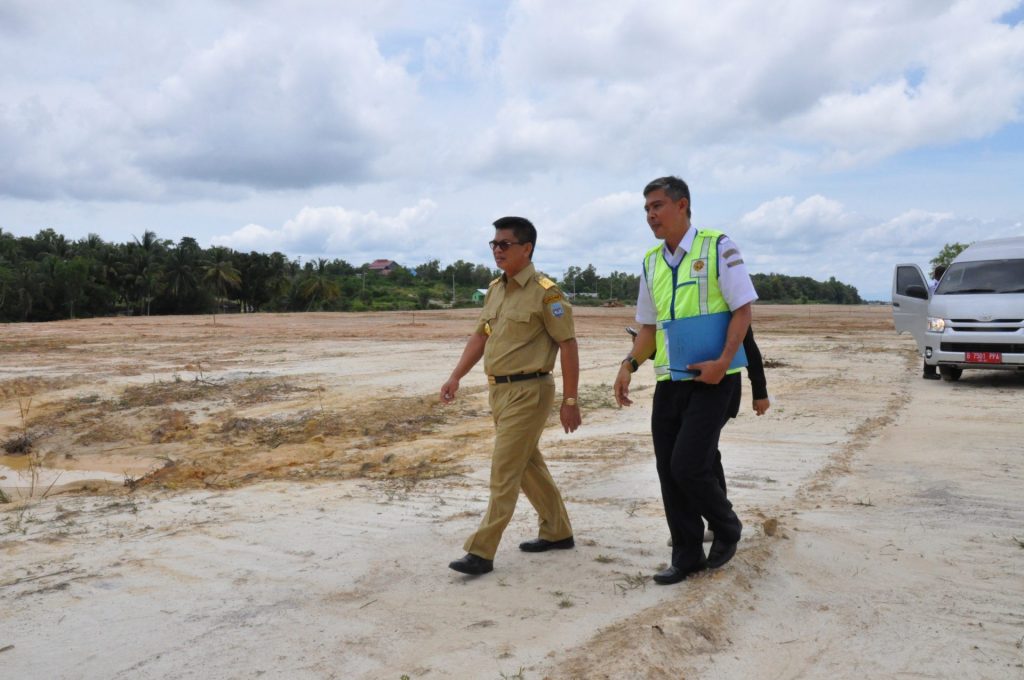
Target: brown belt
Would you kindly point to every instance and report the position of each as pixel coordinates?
(496, 379)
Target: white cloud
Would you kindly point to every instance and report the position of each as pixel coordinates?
(836, 82)
(338, 232)
(253, 105)
(785, 225)
(460, 53)
(261, 108)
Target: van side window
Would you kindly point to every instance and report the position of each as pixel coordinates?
(907, 276)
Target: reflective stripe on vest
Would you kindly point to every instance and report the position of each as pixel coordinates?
(688, 289)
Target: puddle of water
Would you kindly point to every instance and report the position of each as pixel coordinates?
(15, 462)
(18, 481)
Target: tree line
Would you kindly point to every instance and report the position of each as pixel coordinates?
(47, 276)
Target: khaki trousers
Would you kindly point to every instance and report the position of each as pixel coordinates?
(520, 410)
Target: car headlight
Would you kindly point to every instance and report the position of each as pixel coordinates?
(936, 325)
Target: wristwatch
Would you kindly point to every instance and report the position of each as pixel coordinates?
(633, 365)
(569, 401)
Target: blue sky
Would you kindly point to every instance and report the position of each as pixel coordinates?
(824, 138)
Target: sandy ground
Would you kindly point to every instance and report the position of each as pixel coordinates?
(279, 495)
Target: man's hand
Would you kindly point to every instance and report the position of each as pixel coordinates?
(570, 416)
(711, 372)
(622, 381)
(761, 405)
(449, 389)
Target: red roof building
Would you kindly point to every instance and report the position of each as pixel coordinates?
(385, 267)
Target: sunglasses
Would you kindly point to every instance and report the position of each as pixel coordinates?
(503, 245)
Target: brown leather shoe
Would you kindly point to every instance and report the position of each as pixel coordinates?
(542, 545)
(471, 564)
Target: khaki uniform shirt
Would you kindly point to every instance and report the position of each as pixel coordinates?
(525, 318)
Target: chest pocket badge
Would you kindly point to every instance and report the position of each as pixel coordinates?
(699, 269)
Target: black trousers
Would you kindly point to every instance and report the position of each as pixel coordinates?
(686, 420)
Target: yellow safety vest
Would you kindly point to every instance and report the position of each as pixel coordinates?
(688, 289)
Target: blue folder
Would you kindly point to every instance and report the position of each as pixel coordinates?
(695, 339)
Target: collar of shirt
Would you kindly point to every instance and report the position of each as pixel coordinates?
(523, 277)
(684, 247)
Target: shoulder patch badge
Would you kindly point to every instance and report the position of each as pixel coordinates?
(552, 297)
(557, 310)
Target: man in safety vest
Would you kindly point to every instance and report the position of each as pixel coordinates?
(692, 273)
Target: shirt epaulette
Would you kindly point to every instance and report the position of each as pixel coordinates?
(493, 282)
(545, 282)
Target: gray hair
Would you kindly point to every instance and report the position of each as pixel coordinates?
(673, 187)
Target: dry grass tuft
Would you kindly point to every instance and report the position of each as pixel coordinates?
(18, 445)
(164, 393)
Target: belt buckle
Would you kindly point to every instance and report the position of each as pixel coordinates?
(491, 380)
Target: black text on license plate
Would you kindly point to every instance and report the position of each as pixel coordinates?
(984, 357)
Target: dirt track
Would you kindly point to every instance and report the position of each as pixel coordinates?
(281, 493)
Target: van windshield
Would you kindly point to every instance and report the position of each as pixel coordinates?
(988, 276)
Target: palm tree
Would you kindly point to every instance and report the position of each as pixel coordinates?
(6, 278)
(220, 275)
(26, 283)
(146, 266)
(181, 272)
(319, 288)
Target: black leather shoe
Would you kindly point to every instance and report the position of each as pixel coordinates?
(931, 376)
(471, 564)
(675, 574)
(720, 553)
(541, 545)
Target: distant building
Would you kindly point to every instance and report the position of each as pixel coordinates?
(479, 294)
(383, 267)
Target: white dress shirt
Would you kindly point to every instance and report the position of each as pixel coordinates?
(733, 278)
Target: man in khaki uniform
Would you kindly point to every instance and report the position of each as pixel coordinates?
(524, 323)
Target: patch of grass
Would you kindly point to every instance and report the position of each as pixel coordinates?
(594, 397)
(165, 393)
(628, 583)
(774, 363)
(21, 443)
(604, 559)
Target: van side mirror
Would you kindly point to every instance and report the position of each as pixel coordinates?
(916, 291)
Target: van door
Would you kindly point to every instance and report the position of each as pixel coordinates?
(910, 297)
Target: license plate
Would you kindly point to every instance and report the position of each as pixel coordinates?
(984, 357)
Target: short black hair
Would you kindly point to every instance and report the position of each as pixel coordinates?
(673, 187)
(939, 271)
(523, 229)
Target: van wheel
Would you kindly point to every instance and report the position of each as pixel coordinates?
(950, 373)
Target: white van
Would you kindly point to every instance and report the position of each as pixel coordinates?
(975, 318)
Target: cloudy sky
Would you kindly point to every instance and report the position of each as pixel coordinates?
(826, 138)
